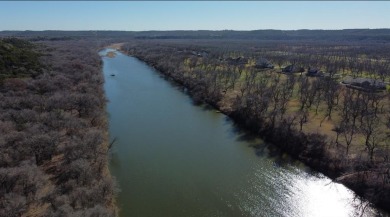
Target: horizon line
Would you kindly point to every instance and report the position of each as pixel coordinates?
(193, 30)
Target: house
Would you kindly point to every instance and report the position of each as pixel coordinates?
(293, 69)
(366, 84)
(199, 54)
(236, 61)
(314, 72)
(262, 63)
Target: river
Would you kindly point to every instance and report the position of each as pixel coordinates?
(172, 158)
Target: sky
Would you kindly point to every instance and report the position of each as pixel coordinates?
(192, 15)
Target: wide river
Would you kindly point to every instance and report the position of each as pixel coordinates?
(174, 159)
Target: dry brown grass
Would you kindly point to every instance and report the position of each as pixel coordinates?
(317, 123)
(116, 46)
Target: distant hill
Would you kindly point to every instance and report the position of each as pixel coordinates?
(334, 35)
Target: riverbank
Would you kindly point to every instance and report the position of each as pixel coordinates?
(312, 149)
(198, 162)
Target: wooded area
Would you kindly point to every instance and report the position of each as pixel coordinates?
(53, 130)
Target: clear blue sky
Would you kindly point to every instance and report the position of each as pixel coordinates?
(194, 15)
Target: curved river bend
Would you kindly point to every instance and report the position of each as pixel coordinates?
(174, 159)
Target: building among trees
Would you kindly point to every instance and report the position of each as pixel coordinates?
(367, 84)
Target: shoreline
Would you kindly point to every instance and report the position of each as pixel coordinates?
(277, 136)
(113, 205)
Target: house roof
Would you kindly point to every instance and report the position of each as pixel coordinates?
(292, 68)
(365, 82)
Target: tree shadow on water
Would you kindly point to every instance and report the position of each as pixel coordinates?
(207, 107)
(241, 134)
(261, 148)
(114, 159)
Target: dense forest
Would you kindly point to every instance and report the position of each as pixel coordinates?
(329, 100)
(53, 130)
